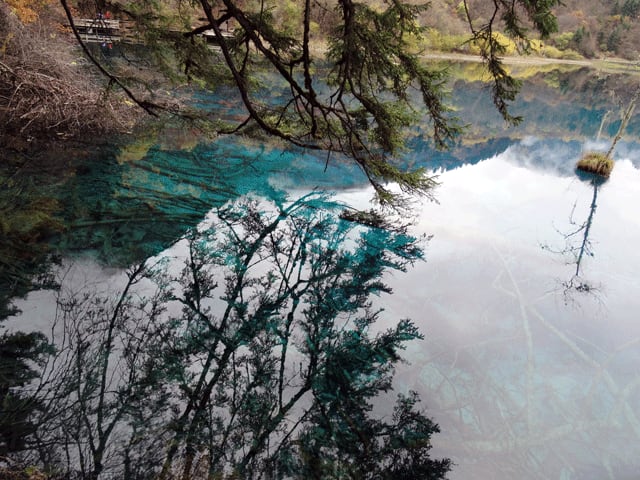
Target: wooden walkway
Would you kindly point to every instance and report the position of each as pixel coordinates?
(107, 31)
(99, 30)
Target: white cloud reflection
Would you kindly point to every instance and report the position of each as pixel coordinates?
(526, 383)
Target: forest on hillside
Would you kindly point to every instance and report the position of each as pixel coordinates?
(591, 28)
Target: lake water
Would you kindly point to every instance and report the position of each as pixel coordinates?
(529, 374)
(528, 298)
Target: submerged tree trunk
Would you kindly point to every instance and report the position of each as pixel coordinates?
(623, 124)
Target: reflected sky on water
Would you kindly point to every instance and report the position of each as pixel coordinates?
(529, 363)
(527, 378)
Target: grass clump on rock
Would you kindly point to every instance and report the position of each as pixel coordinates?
(598, 163)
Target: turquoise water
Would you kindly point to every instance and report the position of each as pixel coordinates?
(530, 361)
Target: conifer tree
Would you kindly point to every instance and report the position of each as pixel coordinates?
(360, 99)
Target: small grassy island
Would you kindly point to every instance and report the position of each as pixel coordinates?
(598, 163)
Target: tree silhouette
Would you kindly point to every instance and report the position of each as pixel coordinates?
(576, 252)
(260, 358)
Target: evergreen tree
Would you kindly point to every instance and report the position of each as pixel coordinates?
(359, 99)
(630, 8)
(20, 356)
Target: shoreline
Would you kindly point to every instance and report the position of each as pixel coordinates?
(610, 65)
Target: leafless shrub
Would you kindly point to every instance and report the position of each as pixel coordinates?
(43, 92)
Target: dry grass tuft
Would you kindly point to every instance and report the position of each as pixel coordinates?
(596, 162)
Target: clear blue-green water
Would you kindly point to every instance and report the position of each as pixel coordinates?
(528, 298)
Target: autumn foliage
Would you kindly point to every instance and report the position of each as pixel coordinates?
(28, 11)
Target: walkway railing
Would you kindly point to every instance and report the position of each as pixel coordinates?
(102, 30)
